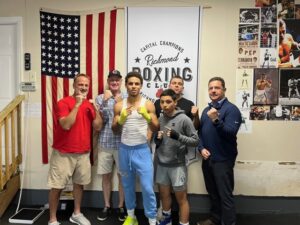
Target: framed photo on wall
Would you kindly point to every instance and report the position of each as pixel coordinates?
(265, 86)
(289, 87)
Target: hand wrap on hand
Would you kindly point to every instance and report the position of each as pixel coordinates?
(123, 117)
(143, 111)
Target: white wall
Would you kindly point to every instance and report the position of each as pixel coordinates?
(262, 168)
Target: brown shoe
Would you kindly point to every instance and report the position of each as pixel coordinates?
(206, 222)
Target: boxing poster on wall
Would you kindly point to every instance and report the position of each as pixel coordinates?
(248, 45)
(297, 12)
(163, 42)
(268, 14)
(259, 112)
(289, 87)
(249, 15)
(265, 91)
(244, 86)
(268, 58)
(289, 46)
(264, 3)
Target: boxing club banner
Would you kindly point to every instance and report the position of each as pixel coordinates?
(163, 42)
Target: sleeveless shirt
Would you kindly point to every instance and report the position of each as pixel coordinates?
(134, 130)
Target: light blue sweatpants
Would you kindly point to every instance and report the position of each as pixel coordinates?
(137, 160)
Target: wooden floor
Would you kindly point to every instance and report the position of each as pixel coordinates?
(91, 214)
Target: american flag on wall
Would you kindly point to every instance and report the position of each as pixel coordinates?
(72, 44)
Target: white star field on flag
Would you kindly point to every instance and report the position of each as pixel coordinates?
(60, 50)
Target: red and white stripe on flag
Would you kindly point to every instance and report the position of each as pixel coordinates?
(99, 41)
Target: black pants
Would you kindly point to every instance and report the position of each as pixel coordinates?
(219, 182)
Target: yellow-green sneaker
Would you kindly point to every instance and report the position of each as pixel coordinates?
(130, 221)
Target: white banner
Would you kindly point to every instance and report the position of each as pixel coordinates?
(163, 42)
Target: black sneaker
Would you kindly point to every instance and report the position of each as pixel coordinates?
(121, 214)
(104, 214)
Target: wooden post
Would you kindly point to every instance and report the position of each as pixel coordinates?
(19, 130)
(13, 141)
(6, 143)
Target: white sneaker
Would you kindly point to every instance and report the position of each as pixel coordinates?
(79, 219)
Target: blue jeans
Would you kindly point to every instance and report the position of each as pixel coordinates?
(137, 160)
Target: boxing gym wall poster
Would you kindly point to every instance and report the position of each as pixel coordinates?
(163, 42)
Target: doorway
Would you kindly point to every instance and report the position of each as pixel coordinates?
(10, 58)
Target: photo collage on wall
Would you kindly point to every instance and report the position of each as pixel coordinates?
(244, 96)
(268, 62)
(248, 38)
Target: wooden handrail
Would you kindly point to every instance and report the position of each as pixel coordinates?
(10, 107)
(8, 116)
